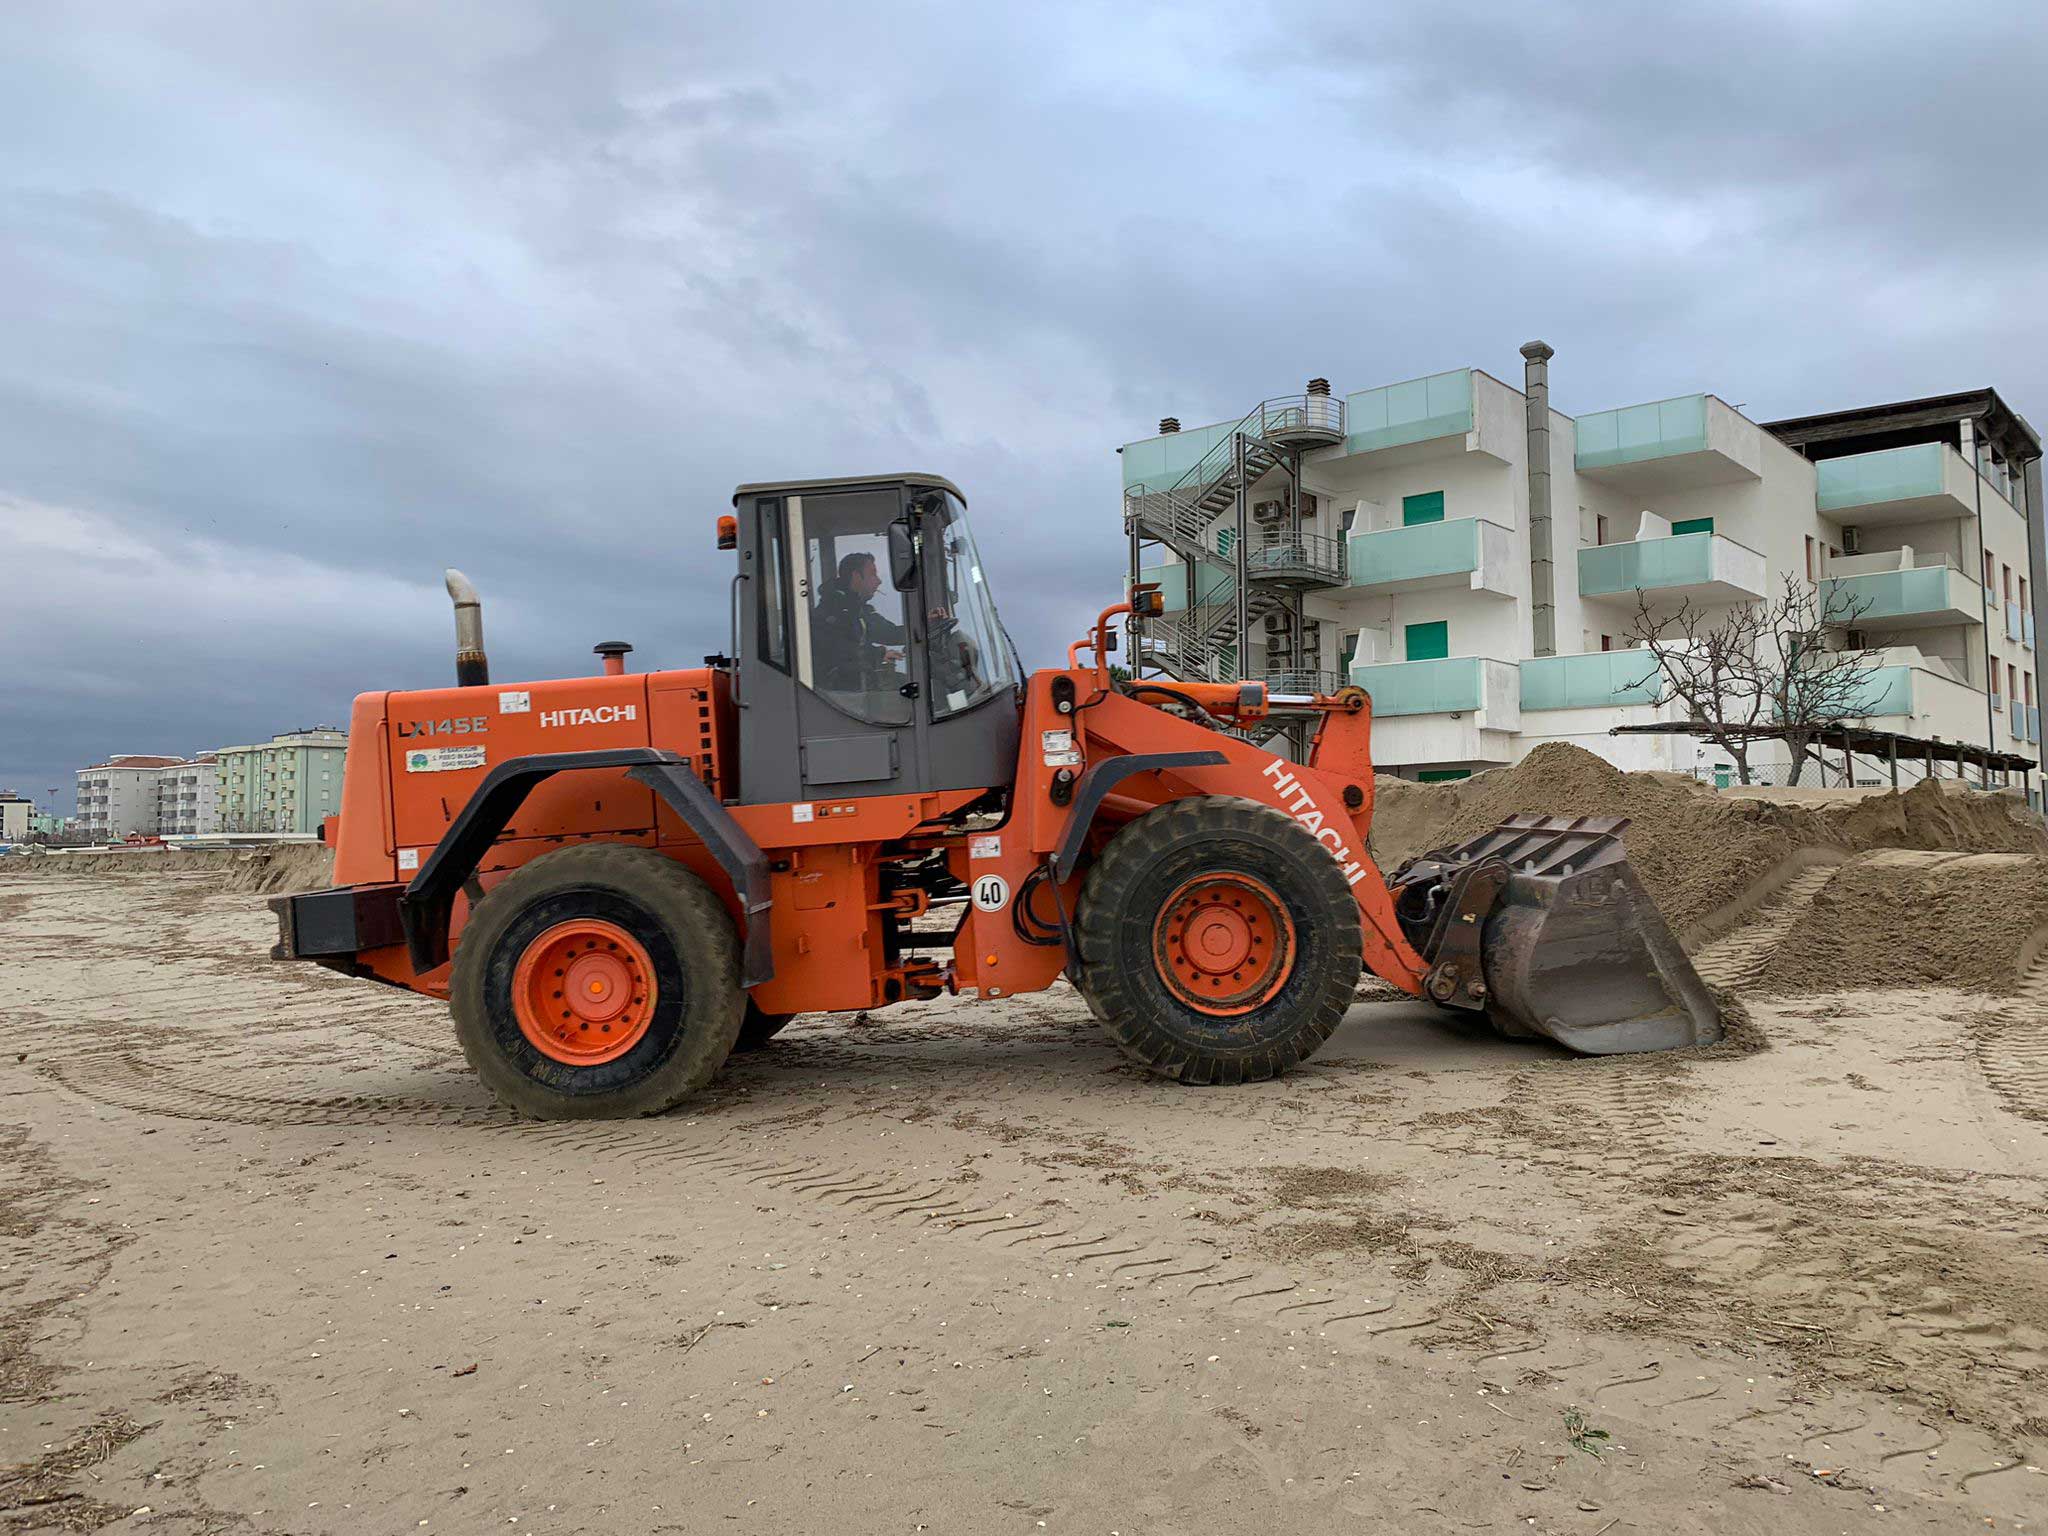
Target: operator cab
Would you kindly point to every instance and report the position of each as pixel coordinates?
(870, 657)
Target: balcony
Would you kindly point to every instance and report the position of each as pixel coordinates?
(1451, 685)
(2013, 628)
(1411, 413)
(1212, 583)
(1922, 482)
(1669, 445)
(1283, 557)
(1921, 696)
(1703, 567)
(1920, 597)
(1591, 680)
(1467, 552)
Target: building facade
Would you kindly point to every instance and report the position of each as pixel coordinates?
(17, 817)
(1476, 559)
(188, 797)
(290, 783)
(118, 798)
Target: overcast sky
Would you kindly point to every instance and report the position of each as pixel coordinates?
(301, 302)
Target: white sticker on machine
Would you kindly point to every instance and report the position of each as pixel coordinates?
(519, 702)
(801, 811)
(991, 893)
(408, 858)
(1057, 747)
(987, 846)
(443, 759)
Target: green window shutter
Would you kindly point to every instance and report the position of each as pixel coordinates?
(1350, 650)
(1441, 775)
(1692, 525)
(1429, 642)
(1428, 507)
(1225, 538)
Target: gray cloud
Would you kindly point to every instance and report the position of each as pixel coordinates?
(323, 297)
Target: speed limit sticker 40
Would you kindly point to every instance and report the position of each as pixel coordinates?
(991, 893)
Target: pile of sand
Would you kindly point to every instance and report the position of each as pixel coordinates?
(1905, 918)
(288, 867)
(1705, 857)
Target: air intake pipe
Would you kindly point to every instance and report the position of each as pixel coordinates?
(472, 668)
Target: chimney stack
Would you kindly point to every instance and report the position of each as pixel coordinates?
(1168, 425)
(1536, 356)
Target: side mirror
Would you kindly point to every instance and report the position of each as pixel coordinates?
(902, 555)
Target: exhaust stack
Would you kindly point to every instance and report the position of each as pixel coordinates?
(472, 668)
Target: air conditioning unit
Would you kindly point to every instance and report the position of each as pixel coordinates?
(1852, 540)
(1269, 512)
(1276, 623)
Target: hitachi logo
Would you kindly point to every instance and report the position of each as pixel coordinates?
(604, 715)
(1301, 805)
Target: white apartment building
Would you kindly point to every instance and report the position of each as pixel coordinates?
(16, 815)
(188, 797)
(119, 796)
(1474, 558)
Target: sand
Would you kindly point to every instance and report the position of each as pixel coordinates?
(270, 1260)
(1706, 858)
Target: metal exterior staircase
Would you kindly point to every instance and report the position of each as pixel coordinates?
(1201, 517)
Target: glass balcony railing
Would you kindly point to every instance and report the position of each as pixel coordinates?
(2033, 722)
(2027, 628)
(1886, 691)
(1593, 680)
(1861, 480)
(1448, 685)
(1639, 432)
(1925, 594)
(2013, 628)
(1414, 554)
(1702, 563)
(1413, 411)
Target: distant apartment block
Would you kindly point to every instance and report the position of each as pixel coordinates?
(290, 783)
(118, 798)
(188, 797)
(1474, 558)
(17, 817)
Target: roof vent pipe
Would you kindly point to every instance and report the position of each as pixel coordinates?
(1319, 386)
(1168, 425)
(472, 669)
(1536, 356)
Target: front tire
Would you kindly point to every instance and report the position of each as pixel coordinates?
(597, 982)
(1218, 941)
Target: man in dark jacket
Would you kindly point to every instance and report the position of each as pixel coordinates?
(854, 646)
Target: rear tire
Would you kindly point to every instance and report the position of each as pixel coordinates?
(1217, 941)
(597, 982)
(758, 1028)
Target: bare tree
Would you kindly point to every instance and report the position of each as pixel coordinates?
(1759, 666)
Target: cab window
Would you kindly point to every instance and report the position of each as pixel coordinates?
(852, 643)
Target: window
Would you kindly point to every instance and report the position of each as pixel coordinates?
(1441, 775)
(774, 588)
(850, 635)
(1987, 570)
(1812, 570)
(967, 650)
(2008, 581)
(1607, 642)
(1226, 540)
(2012, 681)
(1428, 642)
(1692, 525)
(1424, 507)
(1349, 653)
(1600, 528)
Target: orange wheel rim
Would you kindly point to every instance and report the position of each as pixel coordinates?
(1224, 943)
(584, 992)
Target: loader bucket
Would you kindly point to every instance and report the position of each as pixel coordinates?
(1573, 947)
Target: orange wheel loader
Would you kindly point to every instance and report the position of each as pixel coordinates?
(618, 879)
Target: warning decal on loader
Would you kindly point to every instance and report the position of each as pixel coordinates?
(991, 893)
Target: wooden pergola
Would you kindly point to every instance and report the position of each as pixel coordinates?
(1850, 740)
